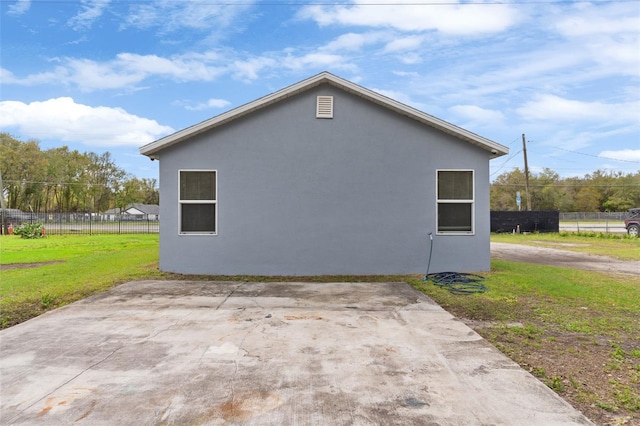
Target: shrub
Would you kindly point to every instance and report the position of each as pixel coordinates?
(30, 230)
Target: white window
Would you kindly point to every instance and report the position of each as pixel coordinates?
(198, 201)
(455, 200)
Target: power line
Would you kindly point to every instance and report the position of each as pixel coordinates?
(320, 3)
(506, 161)
(596, 156)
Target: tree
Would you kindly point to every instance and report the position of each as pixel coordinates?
(544, 191)
(598, 191)
(103, 181)
(587, 199)
(504, 190)
(23, 167)
(64, 173)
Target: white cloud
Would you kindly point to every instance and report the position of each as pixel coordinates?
(211, 103)
(554, 108)
(91, 11)
(7, 77)
(127, 70)
(586, 20)
(608, 33)
(456, 19)
(19, 8)
(68, 121)
(407, 74)
(410, 58)
(404, 43)
(178, 67)
(314, 60)
(354, 42)
(477, 115)
(623, 155)
(90, 75)
(248, 69)
(400, 97)
(170, 16)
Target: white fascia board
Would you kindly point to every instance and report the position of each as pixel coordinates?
(152, 148)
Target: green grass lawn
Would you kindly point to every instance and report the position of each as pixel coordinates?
(87, 265)
(577, 331)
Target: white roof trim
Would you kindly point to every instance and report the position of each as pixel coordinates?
(152, 149)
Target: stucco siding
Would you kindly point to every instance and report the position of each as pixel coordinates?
(304, 196)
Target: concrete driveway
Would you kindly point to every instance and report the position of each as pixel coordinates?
(194, 352)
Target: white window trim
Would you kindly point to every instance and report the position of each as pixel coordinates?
(472, 201)
(181, 202)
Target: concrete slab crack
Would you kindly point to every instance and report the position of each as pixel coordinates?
(230, 294)
(235, 360)
(97, 363)
(66, 383)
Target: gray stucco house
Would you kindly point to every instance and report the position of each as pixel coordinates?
(323, 177)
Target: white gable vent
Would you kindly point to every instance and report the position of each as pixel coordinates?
(324, 107)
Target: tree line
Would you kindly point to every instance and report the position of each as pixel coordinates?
(59, 179)
(599, 191)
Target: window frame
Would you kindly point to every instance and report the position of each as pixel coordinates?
(471, 202)
(213, 202)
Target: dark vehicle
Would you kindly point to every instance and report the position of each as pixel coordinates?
(632, 223)
(11, 218)
(14, 216)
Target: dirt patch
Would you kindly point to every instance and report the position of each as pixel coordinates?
(563, 258)
(28, 265)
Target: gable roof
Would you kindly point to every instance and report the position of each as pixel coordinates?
(144, 208)
(115, 210)
(152, 149)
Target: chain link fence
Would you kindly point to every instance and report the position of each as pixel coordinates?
(593, 216)
(607, 222)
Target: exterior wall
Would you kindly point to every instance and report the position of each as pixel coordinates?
(304, 196)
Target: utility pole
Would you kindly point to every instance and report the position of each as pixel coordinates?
(526, 172)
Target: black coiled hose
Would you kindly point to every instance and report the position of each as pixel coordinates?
(455, 282)
(458, 282)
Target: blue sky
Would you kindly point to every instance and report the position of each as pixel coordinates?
(114, 75)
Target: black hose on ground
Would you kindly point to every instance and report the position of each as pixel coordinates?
(458, 282)
(455, 282)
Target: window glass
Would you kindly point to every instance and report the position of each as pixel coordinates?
(455, 185)
(454, 217)
(198, 218)
(197, 185)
